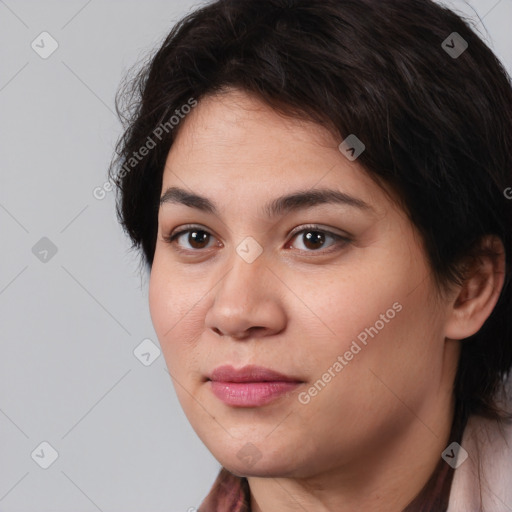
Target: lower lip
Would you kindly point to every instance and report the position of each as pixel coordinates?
(251, 394)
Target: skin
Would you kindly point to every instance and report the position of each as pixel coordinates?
(371, 438)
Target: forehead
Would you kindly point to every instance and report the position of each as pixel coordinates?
(234, 142)
(235, 120)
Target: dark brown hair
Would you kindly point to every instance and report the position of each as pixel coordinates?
(437, 127)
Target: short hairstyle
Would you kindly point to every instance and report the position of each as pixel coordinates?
(437, 126)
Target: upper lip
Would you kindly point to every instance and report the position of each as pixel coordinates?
(251, 373)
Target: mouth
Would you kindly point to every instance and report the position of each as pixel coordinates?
(250, 386)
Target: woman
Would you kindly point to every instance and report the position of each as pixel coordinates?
(319, 188)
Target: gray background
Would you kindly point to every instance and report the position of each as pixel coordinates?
(70, 321)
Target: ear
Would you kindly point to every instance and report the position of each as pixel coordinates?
(475, 299)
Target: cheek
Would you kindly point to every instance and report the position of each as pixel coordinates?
(382, 325)
(164, 306)
(175, 315)
(364, 393)
(346, 306)
(158, 298)
(169, 298)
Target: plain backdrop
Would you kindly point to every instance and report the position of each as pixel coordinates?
(83, 389)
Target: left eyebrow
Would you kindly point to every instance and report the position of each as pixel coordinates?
(279, 206)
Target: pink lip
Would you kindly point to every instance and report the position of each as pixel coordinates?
(251, 386)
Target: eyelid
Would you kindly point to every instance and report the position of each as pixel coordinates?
(317, 227)
(184, 229)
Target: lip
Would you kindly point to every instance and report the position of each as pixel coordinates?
(250, 373)
(250, 386)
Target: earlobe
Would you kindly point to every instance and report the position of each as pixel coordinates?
(478, 295)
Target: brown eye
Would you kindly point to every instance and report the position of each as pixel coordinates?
(313, 239)
(196, 238)
(190, 239)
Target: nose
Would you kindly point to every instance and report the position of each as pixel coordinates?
(247, 301)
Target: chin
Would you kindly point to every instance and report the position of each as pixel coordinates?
(259, 469)
(250, 461)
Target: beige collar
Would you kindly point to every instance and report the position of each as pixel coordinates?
(488, 466)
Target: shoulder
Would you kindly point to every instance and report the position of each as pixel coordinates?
(484, 479)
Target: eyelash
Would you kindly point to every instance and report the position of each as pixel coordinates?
(339, 240)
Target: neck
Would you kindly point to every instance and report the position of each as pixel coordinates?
(383, 479)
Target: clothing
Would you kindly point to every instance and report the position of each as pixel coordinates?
(489, 448)
(229, 493)
(488, 444)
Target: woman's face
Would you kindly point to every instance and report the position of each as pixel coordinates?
(258, 280)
